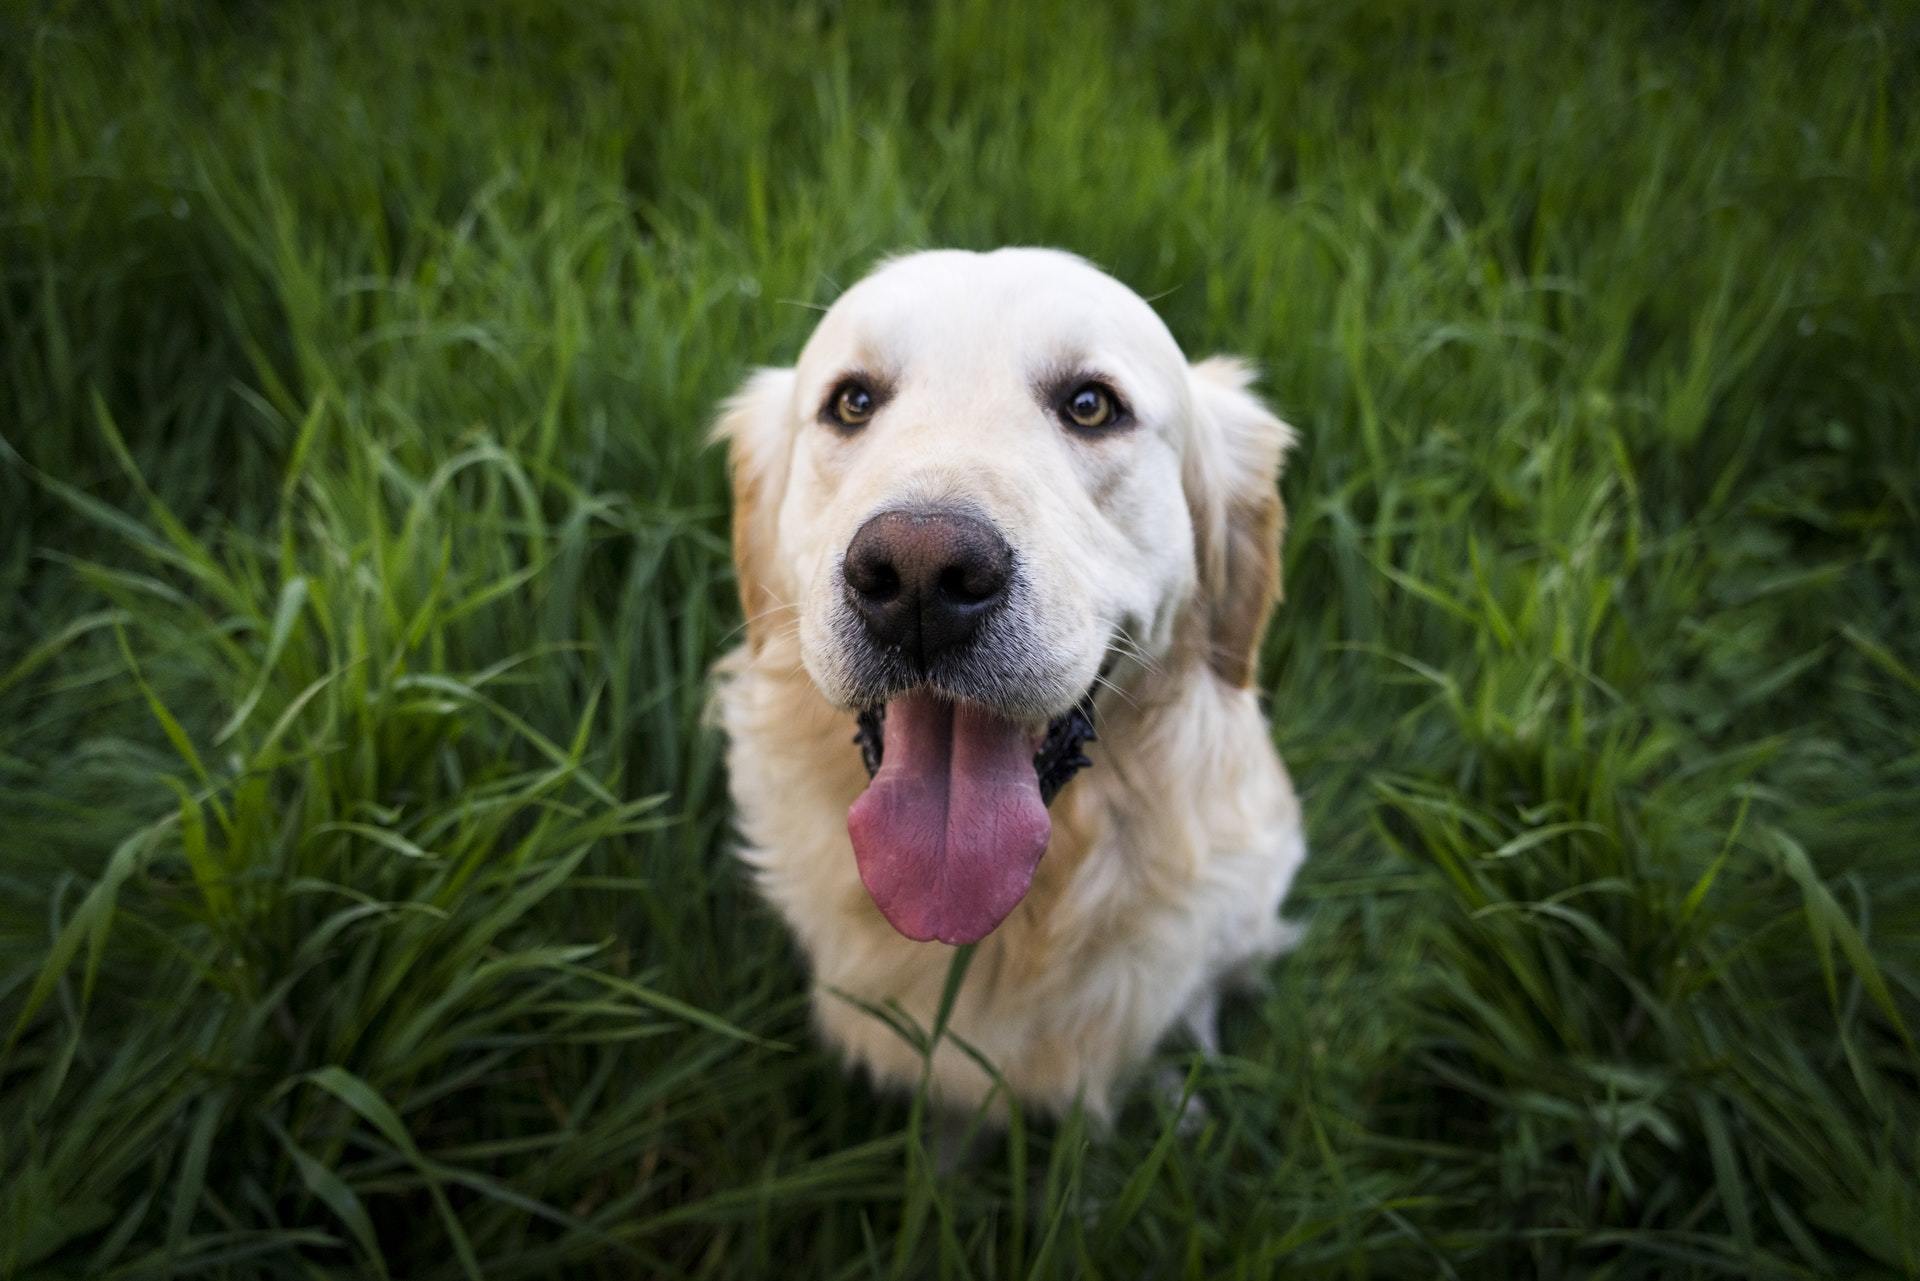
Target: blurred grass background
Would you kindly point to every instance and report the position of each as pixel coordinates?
(365, 904)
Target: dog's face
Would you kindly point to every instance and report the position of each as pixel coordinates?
(988, 480)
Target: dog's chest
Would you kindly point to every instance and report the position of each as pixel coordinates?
(1152, 886)
(1083, 978)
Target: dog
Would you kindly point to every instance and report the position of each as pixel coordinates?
(1006, 559)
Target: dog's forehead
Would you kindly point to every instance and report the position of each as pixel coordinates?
(1015, 307)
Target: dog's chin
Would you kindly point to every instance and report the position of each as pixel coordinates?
(964, 755)
(953, 823)
(963, 764)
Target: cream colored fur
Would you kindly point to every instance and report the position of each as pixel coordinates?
(1170, 856)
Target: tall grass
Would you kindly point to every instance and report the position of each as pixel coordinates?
(365, 904)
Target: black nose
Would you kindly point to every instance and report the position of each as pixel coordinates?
(924, 580)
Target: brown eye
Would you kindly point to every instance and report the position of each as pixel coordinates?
(852, 404)
(1091, 405)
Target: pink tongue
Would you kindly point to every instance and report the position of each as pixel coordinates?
(948, 833)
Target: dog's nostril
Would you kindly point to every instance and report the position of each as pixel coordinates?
(881, 584)
(967, 584)
(876, 580)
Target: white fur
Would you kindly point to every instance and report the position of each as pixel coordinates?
(1170, 856)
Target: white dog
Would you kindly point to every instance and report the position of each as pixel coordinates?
(990, 511)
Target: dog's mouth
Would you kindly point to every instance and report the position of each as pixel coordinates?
(953, 824)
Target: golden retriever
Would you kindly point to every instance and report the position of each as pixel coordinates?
(991, 513)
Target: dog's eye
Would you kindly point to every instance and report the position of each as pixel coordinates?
(1090, 405)
(852, 404)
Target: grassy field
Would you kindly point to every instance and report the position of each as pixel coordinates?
(365, 898)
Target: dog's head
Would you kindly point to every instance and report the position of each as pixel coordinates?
(991, 482)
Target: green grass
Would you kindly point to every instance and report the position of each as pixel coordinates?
(365, 903)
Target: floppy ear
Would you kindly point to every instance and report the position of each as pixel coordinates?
(754, 424)
(1230, 470)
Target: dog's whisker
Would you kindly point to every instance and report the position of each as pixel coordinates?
(774, 609)
(1124, 644)
(1118, 693)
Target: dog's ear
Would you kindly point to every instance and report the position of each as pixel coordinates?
(1231, 466)
(754, 424)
